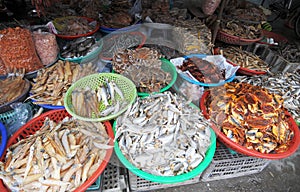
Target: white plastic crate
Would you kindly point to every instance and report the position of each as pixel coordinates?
(139, 184)
(229, 164)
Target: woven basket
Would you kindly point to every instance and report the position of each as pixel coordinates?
(231, 39)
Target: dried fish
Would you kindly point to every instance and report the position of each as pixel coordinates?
(102, 101)
(250, 116)
(163, 135)
(287, 85)
(244, 59)
(53, 172)
(241, 29)
(52, 83)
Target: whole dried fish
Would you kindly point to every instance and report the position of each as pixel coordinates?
(163, 135)
(244, 59)
(52, 83)
(102, 101)
(51, 166)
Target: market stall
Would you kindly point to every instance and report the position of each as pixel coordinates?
(137, 96)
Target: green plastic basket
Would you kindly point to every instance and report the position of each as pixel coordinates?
(168, 67)
(94, 81)
(169, 179)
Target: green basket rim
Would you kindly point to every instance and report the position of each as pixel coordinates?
(109, 117)
(88, 57)
(169, 179)
(174, 72)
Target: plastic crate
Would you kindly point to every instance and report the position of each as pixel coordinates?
(138, 184)
(114, 176)
(229, 164)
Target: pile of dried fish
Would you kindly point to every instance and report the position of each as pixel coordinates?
(286, 85)
(241, 29)
(244, 59)
(79, 47)
(52, 83)
(11, 88)
(192, 36)
(112, 43)
(251, 116)
(290, 52)
(104, 100)
(143, 67)
(59, 157)
(163, 135)
(245, 10)
(204, 71)
(117, 15)
(73, 25)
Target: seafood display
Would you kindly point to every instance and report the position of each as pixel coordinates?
(79, 47)
(117, 15)
(245, 11)
(286, 85)
(241, 29)
(163, 135)
(11, 88)
(115, 42)
(59, 157)
(46, 41)
(192, 36)
(73, 25)
(106, 99)
(143, 67)
(52, 83)
(244, 59)
(202, 70)
(17, 51)
(290, 52)
(250, 116)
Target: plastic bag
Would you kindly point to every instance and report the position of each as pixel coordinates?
(46, 46)
(209, 6)
(22, 113)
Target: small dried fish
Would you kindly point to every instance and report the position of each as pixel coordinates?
(244, 59)
(161, 134)
(43, 169)
(241, 29)
(52, 83)
(106, 99)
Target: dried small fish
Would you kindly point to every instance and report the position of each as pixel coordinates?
(52, 172)
(52, 83)
(163, 135)
(241, 29)
(102, 101)
(244, 59)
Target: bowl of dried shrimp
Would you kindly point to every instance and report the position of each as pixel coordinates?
(72, 27)
(204, 70)
(77, 152)
(100, 97)
(251, 121)
(162, 141)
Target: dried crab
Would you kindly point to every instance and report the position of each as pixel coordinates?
(251, 116)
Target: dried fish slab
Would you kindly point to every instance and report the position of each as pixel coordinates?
(52, 83)
(162, 135)
(59, 157)
(286, 85)
(250, 116)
